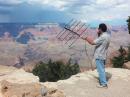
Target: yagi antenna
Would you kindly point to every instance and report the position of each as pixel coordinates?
(79, 35)
(70, 27)
(63, 30)
(76, 33)
(72, 32)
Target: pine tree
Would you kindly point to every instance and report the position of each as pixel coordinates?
(120, 60)
(54, 71)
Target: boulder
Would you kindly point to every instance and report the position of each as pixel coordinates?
(52, 90)
(20, 90)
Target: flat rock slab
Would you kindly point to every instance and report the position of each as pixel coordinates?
(84, 84)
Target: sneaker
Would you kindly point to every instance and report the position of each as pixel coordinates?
(102, 86)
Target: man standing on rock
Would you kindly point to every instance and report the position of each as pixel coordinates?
(100, 53)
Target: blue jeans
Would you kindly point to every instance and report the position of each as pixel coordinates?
(100, 64)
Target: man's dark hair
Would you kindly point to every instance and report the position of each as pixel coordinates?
(103, 27)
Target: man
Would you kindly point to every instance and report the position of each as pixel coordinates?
(100, 53)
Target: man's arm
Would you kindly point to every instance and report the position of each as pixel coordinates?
(90, 40)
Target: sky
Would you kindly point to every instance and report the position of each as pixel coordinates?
(114, 12)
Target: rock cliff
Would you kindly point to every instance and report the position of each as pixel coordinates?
(18, 83)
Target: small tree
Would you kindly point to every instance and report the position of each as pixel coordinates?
(120, 60)
(54, 71)
(128, 23)
(41, 69)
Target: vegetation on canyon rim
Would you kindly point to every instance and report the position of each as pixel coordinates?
(54, 71)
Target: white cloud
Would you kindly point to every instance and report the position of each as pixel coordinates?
(103, 10)
(58, 4)
(91, 9)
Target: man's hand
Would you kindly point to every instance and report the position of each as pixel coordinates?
(83, 38)
(89, 39)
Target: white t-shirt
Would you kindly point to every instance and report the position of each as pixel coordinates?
(102, 44)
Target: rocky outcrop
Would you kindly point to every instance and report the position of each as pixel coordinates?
(18, 83)
(52, 89)
(84, 84)
(20, 90)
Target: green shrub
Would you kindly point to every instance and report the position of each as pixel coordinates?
(54, 71)
(119, 61)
